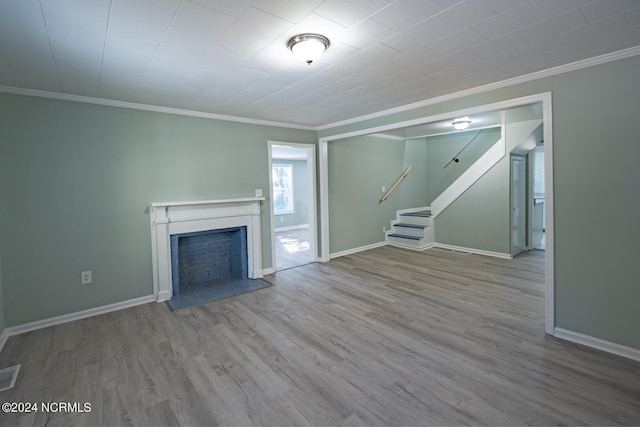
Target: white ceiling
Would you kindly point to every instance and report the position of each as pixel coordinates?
(230, 57)
(484, 120)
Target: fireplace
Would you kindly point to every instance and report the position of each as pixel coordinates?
(204, 258)
(220, 222)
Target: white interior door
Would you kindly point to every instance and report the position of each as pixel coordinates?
(538, 240)
(518, 204)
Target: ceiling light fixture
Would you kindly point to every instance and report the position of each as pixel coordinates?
(308, 46)
(461, 123)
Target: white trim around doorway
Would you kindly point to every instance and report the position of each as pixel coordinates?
(313, 216)
(544, 98)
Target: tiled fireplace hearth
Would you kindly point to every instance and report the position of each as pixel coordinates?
(183, 218)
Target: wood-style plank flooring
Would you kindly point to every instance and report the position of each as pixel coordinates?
(382, 337)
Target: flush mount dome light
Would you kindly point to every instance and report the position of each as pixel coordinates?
(308, 47)
(461, 123)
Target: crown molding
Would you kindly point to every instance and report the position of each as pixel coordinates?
(146, 107)
(578, 65)
(561, 69)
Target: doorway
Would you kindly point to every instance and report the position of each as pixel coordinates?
(543, 103)
(292, 204)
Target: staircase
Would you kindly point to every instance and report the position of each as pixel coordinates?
(411, 229)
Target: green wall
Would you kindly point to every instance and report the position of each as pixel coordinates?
(480, 217)
(412, 192)
(76, 181)
(358, 168)
(596, 184)
(442, 148)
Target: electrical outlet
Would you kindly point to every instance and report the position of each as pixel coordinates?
(85, 277)
(384, 229)
(384, 188)
(258, 192)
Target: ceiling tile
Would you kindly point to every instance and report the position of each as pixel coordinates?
(549, 8)
(230, 56)
(233, 8)
(508, 21)
(292, 11)
(458, 17)
(402, 15)
(141, 16)
(554, 25)
(633, 16)
(257, 24)
(374, 54)
(536, 47)
(497, 45)
(456, 42)
(414, 56)
(500, 6)
(22, 22)
(525, 65)
(574, 51)
(194, 21)
(594, 28)
(135, 38)
(126, 54)
(349, 13)
(605, 8)
(206, 73)
(236, 44)
(419, 35)
(366, 33)
(622, 39)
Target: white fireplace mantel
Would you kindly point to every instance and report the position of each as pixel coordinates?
(168, 218)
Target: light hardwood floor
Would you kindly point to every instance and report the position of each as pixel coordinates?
(382, 337)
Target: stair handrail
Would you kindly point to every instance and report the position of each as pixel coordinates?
(395, 184)
(455, 158)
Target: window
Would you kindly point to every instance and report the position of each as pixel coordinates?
(282, 189)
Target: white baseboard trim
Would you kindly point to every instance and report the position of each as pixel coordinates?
(411, 248)
(473, 251)
(164, 296)
(597, 343)
(44, 323)
(355, 250)
(435, 245)
(266, 271)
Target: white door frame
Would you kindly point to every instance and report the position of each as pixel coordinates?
(313, 209)
(544, 98)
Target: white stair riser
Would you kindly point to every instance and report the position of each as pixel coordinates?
(424, 234)
(409, 231)
(406, 242)
(418, 220)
